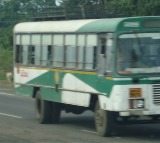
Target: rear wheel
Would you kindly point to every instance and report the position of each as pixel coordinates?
(104, 121)
(56, 112)
(47, 111)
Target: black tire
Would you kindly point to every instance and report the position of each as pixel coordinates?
(56, 113)
(104, 121)
(47, 111)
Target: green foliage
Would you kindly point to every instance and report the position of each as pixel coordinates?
(150, 7)
(15, 11)
(6, 62)
(6, 38)
(116, 7)
(6, 59)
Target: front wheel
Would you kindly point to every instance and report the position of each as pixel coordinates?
(104, 121)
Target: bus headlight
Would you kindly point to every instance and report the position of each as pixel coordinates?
(136, 103)
(140, 104)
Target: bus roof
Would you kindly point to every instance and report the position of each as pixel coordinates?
(73, 26)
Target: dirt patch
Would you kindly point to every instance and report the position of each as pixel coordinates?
(6, 84)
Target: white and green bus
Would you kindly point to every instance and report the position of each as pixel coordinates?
(109, 66)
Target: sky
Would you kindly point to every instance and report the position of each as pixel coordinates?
(57, 2)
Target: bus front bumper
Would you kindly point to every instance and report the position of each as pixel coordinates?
(139, 113)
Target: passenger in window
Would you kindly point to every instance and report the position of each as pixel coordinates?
(158, 57)
(103, 47)
(124, 59)
(49, 56)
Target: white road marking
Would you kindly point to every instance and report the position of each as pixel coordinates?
(9, 115)
(6, 89)
(89, 131)
(6, 93)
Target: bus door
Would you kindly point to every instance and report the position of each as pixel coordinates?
(101, 54)
(105, 54)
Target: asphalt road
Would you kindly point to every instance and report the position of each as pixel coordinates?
(18, 124)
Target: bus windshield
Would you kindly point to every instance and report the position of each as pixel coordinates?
(138, 53)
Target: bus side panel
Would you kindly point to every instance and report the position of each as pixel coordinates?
(50, 94)
(80, 90)
(24, 90)
(26, 79)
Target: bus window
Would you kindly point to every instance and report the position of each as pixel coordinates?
(103, 46)
(36, 41)
(58, 56)
(19, 52)
(44, 55)
(49, 55)
(90, 51)
(70, 39)
(124, 54)
(102, 53)
(37, 54)
(25, 42)
(18, 40)
(109, 55)
(58, 39)
(47, 50)
(91, 40)
(58, 48)
(25, 39)
(70, 56)
(80, 57)
(80, 48)
(89, 57)
(138, 51)
(31, 55)
(46, 39)
(70, 45)
(25, 54)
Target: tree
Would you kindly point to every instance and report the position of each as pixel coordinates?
(150, 7)
(139, 7)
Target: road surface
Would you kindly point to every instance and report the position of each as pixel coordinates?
(18, 124)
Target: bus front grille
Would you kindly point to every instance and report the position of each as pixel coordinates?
(156, 93)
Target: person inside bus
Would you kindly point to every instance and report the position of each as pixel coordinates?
(124, 59)
(130, 56)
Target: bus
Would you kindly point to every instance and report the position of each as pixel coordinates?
(108, 66)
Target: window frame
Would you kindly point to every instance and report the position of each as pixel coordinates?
(79, 61)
